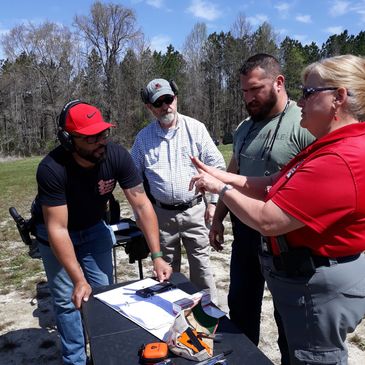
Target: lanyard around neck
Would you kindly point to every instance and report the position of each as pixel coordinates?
(273, 138)
(277, 129)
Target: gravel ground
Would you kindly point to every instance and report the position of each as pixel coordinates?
(28, 333)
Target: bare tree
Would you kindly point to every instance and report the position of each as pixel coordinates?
(242, 33)
(193, 45)
(109, 29)
(52, 48)
(241, 27)
(193, 52)
(41, 69)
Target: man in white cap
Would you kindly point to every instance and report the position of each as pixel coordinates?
(162, 153)
(75, 181)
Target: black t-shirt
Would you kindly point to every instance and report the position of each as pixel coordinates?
(85, 191)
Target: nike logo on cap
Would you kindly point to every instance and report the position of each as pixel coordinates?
(90, 115)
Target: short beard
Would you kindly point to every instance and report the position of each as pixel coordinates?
(167, 119)
(89, 156)
(265, 109)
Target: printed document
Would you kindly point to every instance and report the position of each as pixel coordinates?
(155, 314)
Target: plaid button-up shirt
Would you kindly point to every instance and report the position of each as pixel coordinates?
(163, 156)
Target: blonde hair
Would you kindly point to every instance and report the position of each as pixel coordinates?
(343, 71)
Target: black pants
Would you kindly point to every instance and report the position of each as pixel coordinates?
(247, 286)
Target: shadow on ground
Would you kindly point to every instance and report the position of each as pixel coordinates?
(33, 346)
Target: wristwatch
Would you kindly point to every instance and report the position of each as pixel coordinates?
(224, 189)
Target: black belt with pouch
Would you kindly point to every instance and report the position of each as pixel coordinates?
(296, 262)
(300, 261)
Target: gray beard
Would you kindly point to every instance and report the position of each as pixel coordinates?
(167, 119)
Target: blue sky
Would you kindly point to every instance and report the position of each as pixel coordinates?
(170, 21)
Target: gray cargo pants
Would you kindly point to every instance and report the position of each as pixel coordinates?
(320, 310)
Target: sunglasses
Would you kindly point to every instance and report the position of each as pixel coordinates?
(168, 99)
(95, 138)
(308, 91)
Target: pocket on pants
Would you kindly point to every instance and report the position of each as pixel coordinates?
(327, 357)
(356, 291)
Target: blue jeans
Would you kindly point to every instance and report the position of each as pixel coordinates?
(247, 286)
(93, 251)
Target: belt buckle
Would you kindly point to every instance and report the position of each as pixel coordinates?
(193, 202)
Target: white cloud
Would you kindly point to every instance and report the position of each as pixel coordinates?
(334, 30)
(304, 19)
(359, 8)
(160, 43)
(282, 7)
(258, 19)
(155, 3)
(339, 7)
(204, 9)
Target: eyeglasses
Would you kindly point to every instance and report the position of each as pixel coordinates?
(167, 99)
(95, 138)
(308, 91)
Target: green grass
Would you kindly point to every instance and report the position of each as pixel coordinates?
(226, 151)
(17, 188)
(17, 184)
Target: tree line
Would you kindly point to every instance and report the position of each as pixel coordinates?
(105, 60)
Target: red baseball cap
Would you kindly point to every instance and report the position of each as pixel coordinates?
(85, 119)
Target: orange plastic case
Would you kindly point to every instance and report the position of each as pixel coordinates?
(154, 352)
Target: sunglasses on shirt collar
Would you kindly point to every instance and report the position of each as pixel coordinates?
(167, 99)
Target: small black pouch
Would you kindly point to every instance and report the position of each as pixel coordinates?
(297, 262)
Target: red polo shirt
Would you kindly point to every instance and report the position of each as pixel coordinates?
(324, 187)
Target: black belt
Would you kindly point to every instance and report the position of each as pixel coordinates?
(265, 248)
(182, 206)
(318, 261)
(327, 261)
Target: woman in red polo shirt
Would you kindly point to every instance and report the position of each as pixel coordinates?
(313, 214)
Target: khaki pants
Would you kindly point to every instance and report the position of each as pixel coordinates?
(187, 227)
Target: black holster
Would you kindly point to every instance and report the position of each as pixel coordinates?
(295, 262)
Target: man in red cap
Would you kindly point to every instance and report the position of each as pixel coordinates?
(75, 181)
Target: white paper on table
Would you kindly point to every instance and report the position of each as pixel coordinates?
(154, 314)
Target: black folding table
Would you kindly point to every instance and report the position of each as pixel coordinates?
(115, 340)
